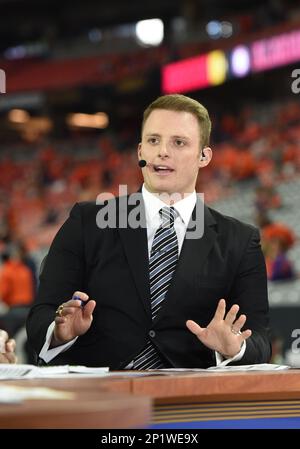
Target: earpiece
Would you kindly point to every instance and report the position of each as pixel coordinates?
(203, 157)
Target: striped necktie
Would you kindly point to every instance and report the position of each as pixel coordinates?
(162, 264)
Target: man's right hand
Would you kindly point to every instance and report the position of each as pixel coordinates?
(74, 319)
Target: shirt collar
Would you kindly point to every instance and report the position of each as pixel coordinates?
(184, 207)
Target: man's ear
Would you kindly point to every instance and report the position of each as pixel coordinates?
(205, 157)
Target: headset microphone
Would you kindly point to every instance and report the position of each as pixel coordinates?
(142, 163)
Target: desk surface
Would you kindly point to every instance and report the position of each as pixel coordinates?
(223, 400)
(126, 401)
(225, 386)
(92, 405)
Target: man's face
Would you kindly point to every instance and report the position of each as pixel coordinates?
(171, 146)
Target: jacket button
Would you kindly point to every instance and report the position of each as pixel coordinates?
(152, 334)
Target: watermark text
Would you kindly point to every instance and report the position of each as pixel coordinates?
(296, 83)
(2, 82)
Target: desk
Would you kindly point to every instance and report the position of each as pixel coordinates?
(251, 399)
(93, 405)
(191, 400)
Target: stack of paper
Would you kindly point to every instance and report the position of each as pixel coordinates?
(12, 371)
(227, 368)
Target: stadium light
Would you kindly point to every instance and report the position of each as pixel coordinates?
(150, 32)
(240, 61)
(99, 120)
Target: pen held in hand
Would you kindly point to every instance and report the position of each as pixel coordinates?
(83, 303)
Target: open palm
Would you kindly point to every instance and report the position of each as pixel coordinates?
(223, 334)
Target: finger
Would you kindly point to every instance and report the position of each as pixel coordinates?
(72, 303)
(194, 327)
(81, 296)
(220, 312)
(246, 334)
(60, 320)
(11, 357)
(231, 315)
(69, 310)
(239, 323)
(10, 345)
(4, 358)
(78, 299)
(3, 335)
(89, 309)
(8, 357)
(66, 311)
(3, 339)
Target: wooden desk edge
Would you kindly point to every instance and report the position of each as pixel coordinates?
(214, 387)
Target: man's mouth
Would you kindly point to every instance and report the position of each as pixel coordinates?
(162, 169)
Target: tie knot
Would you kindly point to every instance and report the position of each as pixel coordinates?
(168, 216)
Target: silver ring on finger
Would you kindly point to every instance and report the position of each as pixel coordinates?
(236, 332)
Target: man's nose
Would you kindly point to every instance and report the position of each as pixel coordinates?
(163, 150)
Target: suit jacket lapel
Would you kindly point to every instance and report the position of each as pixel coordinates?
(195, 250)
(135, 245)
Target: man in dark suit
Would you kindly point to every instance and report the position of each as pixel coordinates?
(96, 303)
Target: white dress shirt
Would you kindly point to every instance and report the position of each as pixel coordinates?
(152, 207)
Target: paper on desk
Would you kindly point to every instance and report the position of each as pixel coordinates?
(255, 367)
(134, 373)
(15, 371)
(221, 368)
(87, 369)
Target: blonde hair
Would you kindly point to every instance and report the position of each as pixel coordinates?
(181, 103)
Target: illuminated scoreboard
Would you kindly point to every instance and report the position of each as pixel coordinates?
(215, 67)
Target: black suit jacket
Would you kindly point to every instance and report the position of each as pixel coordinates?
(111, 266)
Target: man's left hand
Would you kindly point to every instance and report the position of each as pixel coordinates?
(223, 334)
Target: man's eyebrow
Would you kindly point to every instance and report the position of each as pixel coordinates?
(181, 137)
(153, 134)
(174, 137)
